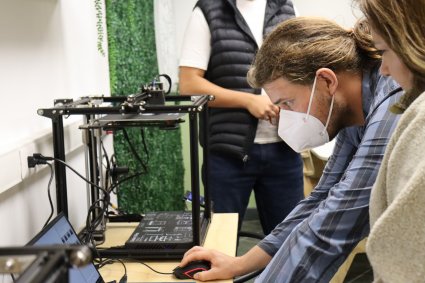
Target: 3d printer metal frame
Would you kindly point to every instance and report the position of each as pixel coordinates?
(47, 263)
(124, 105)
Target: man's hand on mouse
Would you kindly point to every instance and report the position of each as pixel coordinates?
(222, 265)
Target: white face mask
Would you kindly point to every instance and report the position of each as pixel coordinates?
(303, 131)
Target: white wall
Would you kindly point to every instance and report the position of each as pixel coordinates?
(48, 50)
(341, 11)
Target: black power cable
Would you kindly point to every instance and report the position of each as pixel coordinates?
(139, 159)
(49, 195)
(38, 158)
(108, 164)
(156, 271)
(133, 150)
(145, 147)
(90, 227)
(110, 261)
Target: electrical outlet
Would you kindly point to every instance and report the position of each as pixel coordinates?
(25, 151)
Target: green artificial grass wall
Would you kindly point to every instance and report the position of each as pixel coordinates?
(132, 62)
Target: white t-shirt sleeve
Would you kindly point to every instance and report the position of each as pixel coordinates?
(196, 47)
(297, 14)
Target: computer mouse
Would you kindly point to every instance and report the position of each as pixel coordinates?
(189, 270)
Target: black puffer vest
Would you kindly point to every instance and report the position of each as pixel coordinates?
(233, 47)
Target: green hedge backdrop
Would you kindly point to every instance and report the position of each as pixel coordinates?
(132, 62)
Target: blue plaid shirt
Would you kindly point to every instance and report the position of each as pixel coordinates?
(317, 236)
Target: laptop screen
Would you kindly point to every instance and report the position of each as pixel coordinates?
(60, 231)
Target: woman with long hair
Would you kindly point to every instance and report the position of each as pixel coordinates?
(396, 242)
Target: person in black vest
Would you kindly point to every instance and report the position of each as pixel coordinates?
(246, 152)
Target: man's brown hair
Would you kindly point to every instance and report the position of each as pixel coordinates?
(298, 47)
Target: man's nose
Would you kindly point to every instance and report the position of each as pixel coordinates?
(384, 69)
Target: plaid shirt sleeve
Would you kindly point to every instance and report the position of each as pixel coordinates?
(317, 236)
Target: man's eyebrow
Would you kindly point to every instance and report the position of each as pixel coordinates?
(278, 101)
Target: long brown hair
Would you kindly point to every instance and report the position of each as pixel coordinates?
(401, 24)
(298, 47)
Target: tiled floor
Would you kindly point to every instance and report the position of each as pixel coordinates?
(360, 270)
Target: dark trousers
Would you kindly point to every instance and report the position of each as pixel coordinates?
(275, 173)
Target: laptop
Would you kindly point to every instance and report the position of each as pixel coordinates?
(60, 231)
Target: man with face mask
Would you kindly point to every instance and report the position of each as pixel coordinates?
(326, 82)
(304, 131)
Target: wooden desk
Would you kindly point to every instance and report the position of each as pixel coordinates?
(221, 236)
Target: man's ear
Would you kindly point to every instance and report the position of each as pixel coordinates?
(329, 78)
